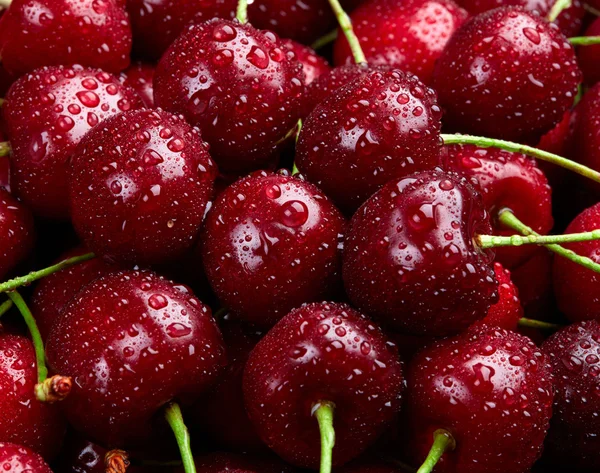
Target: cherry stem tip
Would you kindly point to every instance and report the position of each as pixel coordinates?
(53, 389)
(346, 26)
(539, 324)
(116, 461)
(4, 148)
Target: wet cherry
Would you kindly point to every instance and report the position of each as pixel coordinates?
(585, 147)
(507, 312)
(533, 279)
(17, 233)
(139, 77)
(589, 56)
(18, 459)
(313, 65)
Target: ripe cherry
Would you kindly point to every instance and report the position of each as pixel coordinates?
(507, 312)
(410, 259)
(64, 32)
(271, 242)
(139, 186)
(381, 126)
(489, 389)
(17, 233)
(239, 85)
(313, 65)
(219, 462)
(139, 77)
(497, 76)
(586, 132)
(47, 113)
(322, 357)
(534, 281)
(18, 459)
(589, 56)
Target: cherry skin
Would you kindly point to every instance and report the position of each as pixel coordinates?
(507, 312)
(410, 260)
(64, 32)
(239, 85)
(506, 181)
(17, 233)
(139, 77)
(586, 132)
(492, 390)
(47, 113)
(589, 56)
(381, 126)
(24, 419)
(322, 352)
(313, 65)
(496, 76)
(574, 436)
(409, 35)
(139, 186)
(270, 243)
(140, 342)
(18, 459)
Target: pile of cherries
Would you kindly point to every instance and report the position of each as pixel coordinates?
(380, 257)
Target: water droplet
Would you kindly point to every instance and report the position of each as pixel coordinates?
(273, 191)
(152, 158)
(258, 57)
(294, 213)
(224, 33)
(88, 98)
(532, 35)
(177, 330)
(158, 301)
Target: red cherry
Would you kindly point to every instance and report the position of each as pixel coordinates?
(586, 132)
(381, 126)
(496, 75)
(47, 113)
(534, 281)
(17, 233)
(140, 183)
(489, 388)
(322, 353)
(507, 312)
(18, 459)
(313, 65)
(94, 33)
(139, 77)
(409, 35)
(270, 243)
(140, 342)
(239, 85)
(589, 56)
(410, 260)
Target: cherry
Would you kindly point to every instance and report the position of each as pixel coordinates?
(17, 233)
(534, 281)
(220, 462)
(507, 312)
(140, 341)
(139, 77)
(270, 243)
(64, 32)
(313, 65)
(491, 391)
(589, 56)
(319, 356)
(586, 131)
(18, 459)
(381, 126)
(410, 260)
(24, 419)
(139, 187)
(497, 77)
(409, 35)
(574, 436)
(47, 113)
(239, 85)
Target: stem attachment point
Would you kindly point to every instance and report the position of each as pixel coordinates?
(116, 461)
(53, 389)
(175, 420)
(5, 148)
(324, 411)
(242, 11)
(443, 442)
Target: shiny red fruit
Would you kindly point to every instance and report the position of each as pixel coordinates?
(47, 113)
(407, 34)
(18, 459)
(381, 126)
(272, 242)
(491, 389)
(132, 342)
(589, 56)
(93, 33)
(322, 352)
(534, 281)
(506, 73)
(313, 65)
(17, 233)
(139, 77)
(410, 260)
(140, 183)
(507, 312)
(239, 85)
(586, 132)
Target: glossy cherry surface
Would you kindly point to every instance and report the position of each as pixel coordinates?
(93, 33)
(507, 312)
(139, 187)
(47, 113)
(491, 389)
(322, 352)
(533, 279)
(313, 65)
(381, 126)
(589, 56)
(239, 85)
(18, 459)
(586, 132)
(506, 73)
(139, 77)
(17, 233)
(272, 242)
(410, 260)
(132, 342)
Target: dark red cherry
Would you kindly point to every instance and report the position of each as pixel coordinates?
(220, 462)
(139, 186)
(506, 181)
(407, 34)
(47, 113)
(24, 419)
(586, 132)
(381, 126)
(140, 341)
(534, 281)
(574, 436)
(18, 459)
(322, 352)
(507, 312)
(139, 77)
(589, 56)
(506, 74)
(17, 233)
(410, 260)
(93, 33)
(239, 85)
(490, 389)
(313, 65)
(272, 242)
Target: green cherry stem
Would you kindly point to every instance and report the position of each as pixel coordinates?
(591, 9)
(558, 7)
(442, 442)
(17, 282)
(492, 241)
(5, 307)
(584, 40)
(324, 411)
(5, 3)
(4, 148)
(325, 40)
(538, 324)
(182, 436)
(242, 11)
(346, 26)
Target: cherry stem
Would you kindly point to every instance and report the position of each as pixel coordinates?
(5, 307)
(591, 10)
(558, 7)
(325, 40)
(346, 26)
(492, 241)
(509, 220)
(2, 100)
(5, 3)
(538, 324)
(182, 436)
(323, 411)
(4, 148)
(17, 282)
(584, 40)
(482, 142)
(242, 11)
(443, 442)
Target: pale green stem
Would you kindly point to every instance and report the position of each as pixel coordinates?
(323, 411)
(325, 40)
(242, 11)
(346, 26)
(492, 241)
(182, 436)
(584, 40)
(538, 324)
(5, 307)
(558, 7)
